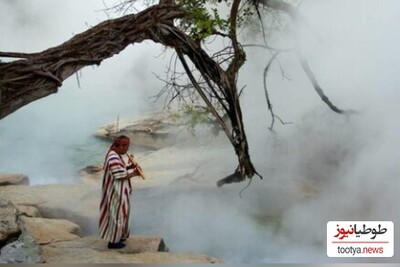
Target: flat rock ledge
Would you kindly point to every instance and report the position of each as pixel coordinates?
(139, 249)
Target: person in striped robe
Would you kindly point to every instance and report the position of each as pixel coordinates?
(116, 191)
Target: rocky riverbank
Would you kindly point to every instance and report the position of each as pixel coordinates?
(41, 224)
(50, 223)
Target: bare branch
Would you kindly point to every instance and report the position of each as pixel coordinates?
(16, 55)
(318, 88)
(266, 69)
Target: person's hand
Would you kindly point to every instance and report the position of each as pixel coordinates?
(131, 174)
(130, 167)
(136, 172)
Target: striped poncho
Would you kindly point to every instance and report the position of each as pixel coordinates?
(115, 205)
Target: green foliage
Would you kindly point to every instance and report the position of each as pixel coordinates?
(204, 19)
(207, 17)
(247, 13)
(197, 115)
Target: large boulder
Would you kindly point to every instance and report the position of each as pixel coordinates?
(60, 198)
(9, 227)
(16, 244)
(46, 231)
(28, 210)
(92, 174)
(152, 130)
(13, 179)
(21, 251)
(160, 129)
(78, 203)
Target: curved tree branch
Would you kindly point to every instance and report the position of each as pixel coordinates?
(297, 18)
(318, 88)
(269, 105)
(41, 74)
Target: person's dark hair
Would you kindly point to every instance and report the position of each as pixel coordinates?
(118, 139)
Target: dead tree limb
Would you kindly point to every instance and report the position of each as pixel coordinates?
(318, 88)
(297, 18)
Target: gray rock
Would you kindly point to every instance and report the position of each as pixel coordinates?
(17, 245)
(20, 252)
(9, 227)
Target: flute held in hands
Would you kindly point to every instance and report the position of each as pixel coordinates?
(136, 165)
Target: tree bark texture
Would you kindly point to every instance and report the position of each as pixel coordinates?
(40, 74)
